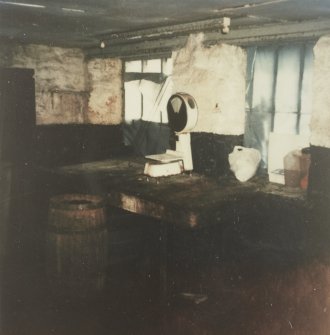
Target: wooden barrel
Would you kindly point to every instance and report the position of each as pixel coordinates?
(76, 251)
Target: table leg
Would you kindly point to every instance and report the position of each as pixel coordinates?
(165, 289)
(163, 266)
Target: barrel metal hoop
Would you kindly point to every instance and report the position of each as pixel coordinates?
(76, 202)
(68, 231)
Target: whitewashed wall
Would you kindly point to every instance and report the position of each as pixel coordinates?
(60, 81)
(320, 122)
(68, 89)
(215, 77)
(106, 91)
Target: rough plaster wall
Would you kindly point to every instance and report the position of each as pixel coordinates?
(60, 80)
(215, 77)
(106, 91)
(320, 122)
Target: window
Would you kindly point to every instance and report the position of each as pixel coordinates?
(148, 87)
(144, 81)
(278, 95)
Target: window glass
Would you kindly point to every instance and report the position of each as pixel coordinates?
(285, 123)
(133, 101)
(287, 80)
(148, 87)
(150, 92)
(304, 124)
(167, 66)
(279, 93)
(152, 66)
(263, 80)
(306, 91)
(133, 66)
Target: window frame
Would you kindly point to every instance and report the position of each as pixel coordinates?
(251, 137)
(157, 77)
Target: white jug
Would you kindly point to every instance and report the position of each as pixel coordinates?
(244, 162)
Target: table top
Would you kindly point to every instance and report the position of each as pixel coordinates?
(189, 200)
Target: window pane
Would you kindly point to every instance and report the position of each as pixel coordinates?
(279, 89)
(304, 124)
(261, 96)
(287, 85)
(306, 91)
(263, 80)
(285, 123)
(152, 66)
(150, 92)
(132, 101)
(133, 66)
(167, 66)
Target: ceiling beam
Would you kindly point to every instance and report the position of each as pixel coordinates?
(165, 31)
(164, 40)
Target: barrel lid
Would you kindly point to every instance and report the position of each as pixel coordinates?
(76, 202)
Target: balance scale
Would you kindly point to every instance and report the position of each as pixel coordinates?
(182, 118)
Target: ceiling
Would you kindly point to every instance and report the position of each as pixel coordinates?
(84, 23)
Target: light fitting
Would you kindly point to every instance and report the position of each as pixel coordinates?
(73, 10)
(21, 4)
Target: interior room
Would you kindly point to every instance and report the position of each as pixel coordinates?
(164, 167)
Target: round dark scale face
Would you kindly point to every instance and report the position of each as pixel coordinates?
(177, 113)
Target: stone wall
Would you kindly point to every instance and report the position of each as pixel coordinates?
(320, 123)
(68, 89)
(60, 80)
(215, 77)
(106, 91)
(71, 90)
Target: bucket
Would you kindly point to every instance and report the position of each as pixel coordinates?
(76, 245)
(296, 167)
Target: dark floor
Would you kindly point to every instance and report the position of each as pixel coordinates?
(256, 289)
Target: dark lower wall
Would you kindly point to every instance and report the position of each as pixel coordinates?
(70, 144)
(147, 138)
(210, 157)
(210, 152)
(319, 173)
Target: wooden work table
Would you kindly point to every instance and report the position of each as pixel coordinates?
(213, 231)
(188, 200)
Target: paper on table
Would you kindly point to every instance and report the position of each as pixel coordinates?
(167, 157)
